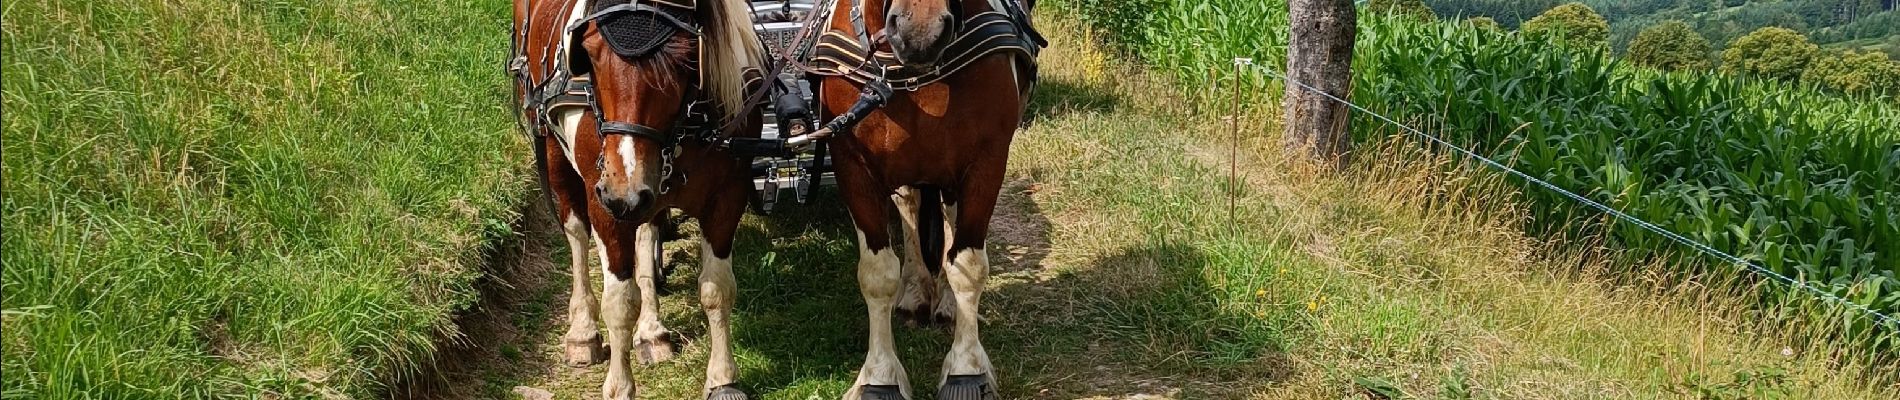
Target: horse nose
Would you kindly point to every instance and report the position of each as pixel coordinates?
(632, 207)
(919, 43)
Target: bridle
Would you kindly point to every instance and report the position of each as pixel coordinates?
(636, 30)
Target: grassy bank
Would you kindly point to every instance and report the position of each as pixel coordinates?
(1794, 179)
(1119, 273)
(277, 199)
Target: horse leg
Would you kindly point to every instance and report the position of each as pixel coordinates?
(567, 191)
(967, 372)
(582, 341)
(717, 290)
(920, 286)
(565, 187)
(619, 254)
(879, 279)
(946, 311)
(654, 343)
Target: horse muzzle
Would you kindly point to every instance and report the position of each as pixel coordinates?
(919, 41)
(631, 205)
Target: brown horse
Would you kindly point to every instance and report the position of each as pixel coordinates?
(662, 74)
(942, 148)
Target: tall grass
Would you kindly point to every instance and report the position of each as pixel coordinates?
(1800, 182)
(282, 199)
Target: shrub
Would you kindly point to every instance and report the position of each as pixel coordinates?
(1485, 23)
(1575, 24)
(1670, 45)
(1870, 73)
(1772, 52)
(1406, 8)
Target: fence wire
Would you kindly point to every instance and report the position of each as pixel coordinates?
(1876, 316)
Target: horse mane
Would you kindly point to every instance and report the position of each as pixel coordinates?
(727, 49)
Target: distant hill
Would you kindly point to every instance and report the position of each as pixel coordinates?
(1858, 24)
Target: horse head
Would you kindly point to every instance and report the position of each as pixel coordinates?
(656, 64)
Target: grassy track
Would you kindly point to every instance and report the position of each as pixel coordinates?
(1119, 274)
(284, 199)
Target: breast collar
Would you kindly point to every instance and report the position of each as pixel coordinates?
(855, 56)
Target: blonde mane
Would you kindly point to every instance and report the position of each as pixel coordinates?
(727, 49)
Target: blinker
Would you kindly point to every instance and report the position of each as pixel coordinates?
(637, 29)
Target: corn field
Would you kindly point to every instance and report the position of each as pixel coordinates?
(1798, 181)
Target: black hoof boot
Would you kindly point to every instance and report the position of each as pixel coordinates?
(727, 392)
(966, 387)
(880, 392)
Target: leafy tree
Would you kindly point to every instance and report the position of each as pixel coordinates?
(1509, 13)
(1485, 23)
(1408, 8)
(1856, 72)
(1572, 23)
(1772, 52)
(1670, 45)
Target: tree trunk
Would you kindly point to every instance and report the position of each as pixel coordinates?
(1319, 54)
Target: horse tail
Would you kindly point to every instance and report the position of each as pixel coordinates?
(930, 227)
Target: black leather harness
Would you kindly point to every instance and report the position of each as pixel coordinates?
(637, 28)
(851, 55)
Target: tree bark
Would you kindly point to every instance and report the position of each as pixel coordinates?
(1319, 54)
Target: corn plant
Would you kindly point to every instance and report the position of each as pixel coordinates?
(1792, 179)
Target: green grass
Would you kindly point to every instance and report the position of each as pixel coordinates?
(271, 199)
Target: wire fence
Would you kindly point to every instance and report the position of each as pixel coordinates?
(1875, 315)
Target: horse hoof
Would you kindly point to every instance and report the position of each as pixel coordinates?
(654, 351)
(584, 353)
(617, 390)
(726, 392)
(880, 392)
(966, 387)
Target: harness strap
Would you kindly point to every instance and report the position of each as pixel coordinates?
(864, 36)
(842, 55)
(637, 6)
(635, 130)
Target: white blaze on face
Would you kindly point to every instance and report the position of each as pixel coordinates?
(627, 161)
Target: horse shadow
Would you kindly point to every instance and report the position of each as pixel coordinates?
(1141, 320)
